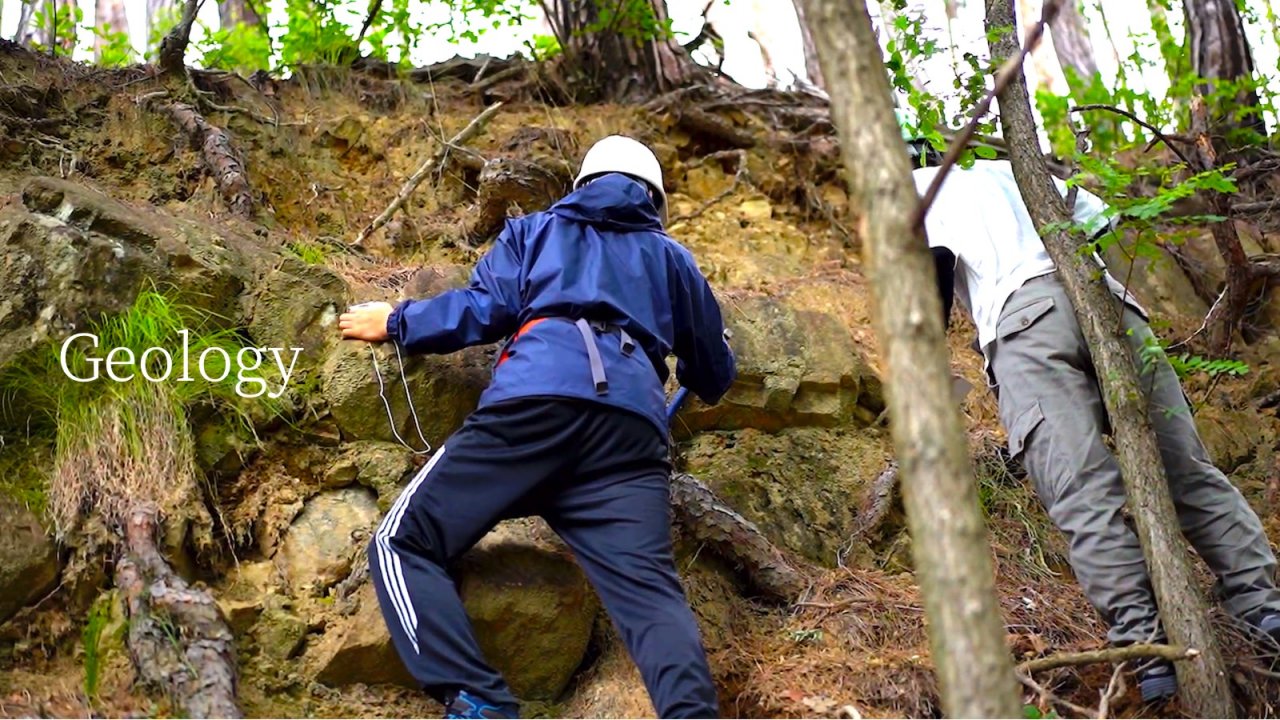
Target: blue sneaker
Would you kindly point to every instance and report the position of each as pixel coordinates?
(1158, 682)
(466, 705)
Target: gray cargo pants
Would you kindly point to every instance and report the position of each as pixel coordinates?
(1052, 408)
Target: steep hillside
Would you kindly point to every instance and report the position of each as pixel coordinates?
(105, 195)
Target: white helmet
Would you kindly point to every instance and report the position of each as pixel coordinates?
(621, 154)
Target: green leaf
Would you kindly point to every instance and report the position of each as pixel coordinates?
(985, 152)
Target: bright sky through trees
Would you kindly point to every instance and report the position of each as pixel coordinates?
(773, 23)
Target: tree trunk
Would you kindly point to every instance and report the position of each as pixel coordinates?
(235, 12)
(109, 19)
(622, 50)
(1219, 51)
(1204, 689)
(811, 66)
(1072, 45)
(952, 556)
(1044, 68)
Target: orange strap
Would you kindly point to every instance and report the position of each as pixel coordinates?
(506, 352)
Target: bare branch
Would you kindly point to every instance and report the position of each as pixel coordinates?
(1008, 71)
(471, 130)
(1166, 139)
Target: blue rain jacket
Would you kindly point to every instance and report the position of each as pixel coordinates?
(599, 254)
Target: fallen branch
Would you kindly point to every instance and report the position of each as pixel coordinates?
(1137, 651)
(1256, 207)
(739, 176)
(699, 121)
(499, 76)
(708, 520)
(471, 130)
(219, 154)
(1010, 69)
(1166, 139)
(178, 639)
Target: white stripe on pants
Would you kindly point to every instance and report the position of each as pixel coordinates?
(392, 575)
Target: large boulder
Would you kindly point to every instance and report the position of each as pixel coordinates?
(28, 558)
(443, 391)
(358, 649)
(530, 604)
(296, 306)
(803, 487)
(796, 367)
(321, 545)
(1159, 285)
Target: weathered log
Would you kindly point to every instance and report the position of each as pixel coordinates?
(219, 154)
(708, 520)
(178, 639)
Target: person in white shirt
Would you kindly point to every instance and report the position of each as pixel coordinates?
(989, 255)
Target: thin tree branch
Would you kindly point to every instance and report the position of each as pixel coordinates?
(1008, 71)
(471, 130)
(1117, 654)
(1167, 140)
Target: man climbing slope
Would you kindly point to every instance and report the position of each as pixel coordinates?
(987, 253)
(594, 296)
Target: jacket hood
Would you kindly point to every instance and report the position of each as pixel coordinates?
(611, 202)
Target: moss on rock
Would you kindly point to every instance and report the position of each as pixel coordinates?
(802, 487)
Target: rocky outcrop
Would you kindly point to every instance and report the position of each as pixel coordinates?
(28, 559)
(802, 487)
(530, 604)
(444, 389)
(796, 368)
(70, 253)
(321, 544)
(379, 466)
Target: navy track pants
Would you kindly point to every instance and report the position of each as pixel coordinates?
(599, 476)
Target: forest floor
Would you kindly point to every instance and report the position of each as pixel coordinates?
(765, 216)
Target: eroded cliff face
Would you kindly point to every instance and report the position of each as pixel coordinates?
(100, 198)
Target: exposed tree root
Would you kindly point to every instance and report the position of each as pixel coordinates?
(173, 47)
(178, 639)
(219, 154)
(708, 520)
(878, 501)
(1245, 275)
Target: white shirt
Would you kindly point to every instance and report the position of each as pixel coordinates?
(980, 217)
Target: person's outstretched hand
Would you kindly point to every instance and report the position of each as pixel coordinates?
(368, 322)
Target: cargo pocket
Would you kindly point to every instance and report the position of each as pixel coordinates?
(1021, 428)
(1015, 321)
